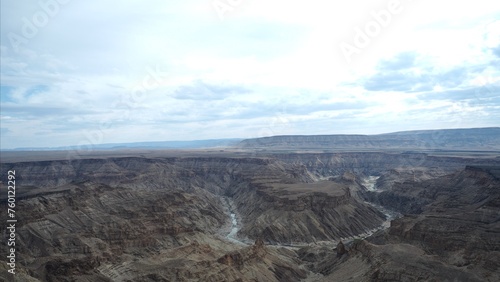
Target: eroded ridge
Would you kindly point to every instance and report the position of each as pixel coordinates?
(269, 218)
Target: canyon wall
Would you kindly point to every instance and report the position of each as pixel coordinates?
(147, 219)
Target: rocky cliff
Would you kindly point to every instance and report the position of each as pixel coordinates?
(453, 238)
(166, 218)
(110, 212)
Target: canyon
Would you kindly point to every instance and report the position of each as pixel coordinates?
(248, 214)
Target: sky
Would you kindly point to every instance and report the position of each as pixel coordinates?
(92, 72)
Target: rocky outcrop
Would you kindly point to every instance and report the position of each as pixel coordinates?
(451, 239)
(401, 203)
(460, 223)
(463, 214)
(238, 258)
(310, 217)
(234, 259)
(341, 250)
(323, 165)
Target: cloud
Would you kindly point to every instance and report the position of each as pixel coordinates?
(407, 72)
(401, 61)
(496, 51)
(203, 91)
(4, 131)
(41, 111)
(482, 93)
(170, 70)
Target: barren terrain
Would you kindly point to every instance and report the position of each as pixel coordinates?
(246, 215)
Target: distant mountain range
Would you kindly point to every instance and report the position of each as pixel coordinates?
(195, 144)
(475, 139)
(482, 139)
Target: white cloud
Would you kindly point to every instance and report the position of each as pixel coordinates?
(171, 70)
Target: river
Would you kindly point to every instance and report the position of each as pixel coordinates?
(232, 235)
(370, 184)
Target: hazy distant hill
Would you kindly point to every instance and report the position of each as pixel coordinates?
(480, 139)
(483, 139)
(196, 144)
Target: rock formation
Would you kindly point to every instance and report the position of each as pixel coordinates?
(164, 218)
(341, 250)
